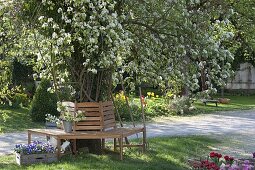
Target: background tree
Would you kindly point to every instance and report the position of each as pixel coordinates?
(243, 21)
(180, 40)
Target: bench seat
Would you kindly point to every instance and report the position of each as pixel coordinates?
(99, 124)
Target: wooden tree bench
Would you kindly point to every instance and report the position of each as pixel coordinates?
(99, 124)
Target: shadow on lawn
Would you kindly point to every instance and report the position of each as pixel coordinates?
(163, 153)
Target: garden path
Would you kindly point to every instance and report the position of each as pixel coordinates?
(235, 128)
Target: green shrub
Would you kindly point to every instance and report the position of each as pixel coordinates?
(156, 108)
(14, 97)
(20, 99)
(43, 102)
(123, 108)
(181, 105)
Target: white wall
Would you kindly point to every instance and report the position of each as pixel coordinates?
(244, 78)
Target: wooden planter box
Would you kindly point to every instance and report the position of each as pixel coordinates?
(22, 159)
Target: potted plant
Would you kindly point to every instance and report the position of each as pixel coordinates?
(69, 116)
(35, 152)
(51, 121)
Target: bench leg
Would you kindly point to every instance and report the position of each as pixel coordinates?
(29, 137)
(121, 148)
(114, 144)
(58, 148)
(103, 144)
(216, 104)
(75, 146)
(144, 141)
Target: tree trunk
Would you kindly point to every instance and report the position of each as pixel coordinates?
(92, 88)
(203, 80)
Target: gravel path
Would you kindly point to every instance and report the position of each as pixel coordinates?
(235, 128)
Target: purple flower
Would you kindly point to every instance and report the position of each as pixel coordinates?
(34, 148)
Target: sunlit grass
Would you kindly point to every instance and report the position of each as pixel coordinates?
(236, 103)
(170, 153)
(13, 120)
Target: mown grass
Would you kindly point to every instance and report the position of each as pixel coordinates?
(236, 103)
(13, 120)
(166, 153)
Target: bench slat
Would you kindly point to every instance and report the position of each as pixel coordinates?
(87, 104)
(82, 128)
(89, 123)
(109, 117)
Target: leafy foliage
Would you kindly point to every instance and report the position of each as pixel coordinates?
(181, 105)
(43, 102)
(123, 109)
(150, 41)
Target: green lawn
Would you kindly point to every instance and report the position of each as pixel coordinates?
(170, 153)
(236, 103)
(13, 120)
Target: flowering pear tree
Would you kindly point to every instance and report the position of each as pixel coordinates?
(83, 43)
(80, 42)
(180, 41)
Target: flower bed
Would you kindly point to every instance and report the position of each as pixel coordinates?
(215, 161)
(35, 152)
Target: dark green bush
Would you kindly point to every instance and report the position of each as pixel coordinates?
(43, 102)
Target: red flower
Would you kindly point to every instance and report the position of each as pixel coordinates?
(219, 156)
(231, 158)
(212, 154)
(226, 158)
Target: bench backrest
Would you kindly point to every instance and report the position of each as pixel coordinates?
(108, 115)
(93, 117)
(99, 116)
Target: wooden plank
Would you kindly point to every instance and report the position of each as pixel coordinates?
(109, 121)
(89, 127)
(107, 103)
(110, 126)
(89, 109)
(109, 117)
(92, 114)
(88, 104)
(108, 108)
(92, 118)
(98, 123)
(109, 112)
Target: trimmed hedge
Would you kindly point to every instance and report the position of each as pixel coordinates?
(43, 102)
